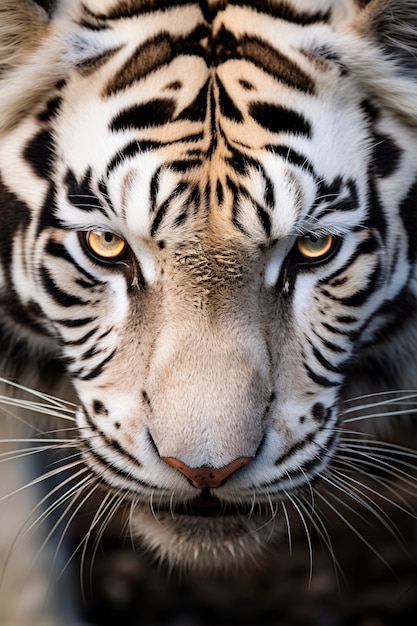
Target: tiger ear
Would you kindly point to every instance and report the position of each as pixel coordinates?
(32, 58)
(380, 48)
(392, 24)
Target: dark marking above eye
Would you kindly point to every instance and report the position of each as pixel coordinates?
(277, 119)
(152, 113)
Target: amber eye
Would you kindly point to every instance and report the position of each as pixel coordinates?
(315, 247)
(105, 245)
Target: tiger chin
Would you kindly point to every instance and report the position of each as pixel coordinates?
(207, 236)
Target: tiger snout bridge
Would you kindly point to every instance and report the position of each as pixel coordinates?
(212, 477)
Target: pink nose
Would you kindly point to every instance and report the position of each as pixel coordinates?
(207, 476)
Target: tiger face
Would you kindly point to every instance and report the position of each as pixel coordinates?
(214, 244)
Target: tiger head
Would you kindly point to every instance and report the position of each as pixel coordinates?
(210, 218)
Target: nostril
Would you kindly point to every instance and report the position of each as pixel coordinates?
(211, 477)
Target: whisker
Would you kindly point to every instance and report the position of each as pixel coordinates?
(26, 528)
(350, 526)
(287, 521)
(323, 534)
(85, 541)
(383, 414)
(117, 499)
(385, 485)
(40, 479)
(392, 397)
(36, 407)
(20, 453)
(60, 402)
(292, 498)
(375, 462)
(89, 481)
(354, 492)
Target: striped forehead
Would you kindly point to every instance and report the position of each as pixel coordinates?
(183, 117)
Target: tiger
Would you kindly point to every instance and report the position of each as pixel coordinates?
(208, 244)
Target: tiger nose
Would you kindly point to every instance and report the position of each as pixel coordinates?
(211, 477)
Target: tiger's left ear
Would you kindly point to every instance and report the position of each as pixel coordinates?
(379, 46)
(32, 58)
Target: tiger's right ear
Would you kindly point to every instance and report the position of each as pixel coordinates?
(379, 46)
(32, 58)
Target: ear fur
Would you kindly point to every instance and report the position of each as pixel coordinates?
(32, 59)
(380, 48)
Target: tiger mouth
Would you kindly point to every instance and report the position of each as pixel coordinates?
(207, 505)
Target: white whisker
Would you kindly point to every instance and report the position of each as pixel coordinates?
(292, 498)
(351, 526)
(42, 478)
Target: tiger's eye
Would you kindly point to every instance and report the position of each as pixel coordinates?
(105, 245)
(315, 247)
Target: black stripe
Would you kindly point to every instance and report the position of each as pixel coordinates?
(334, 280)
(153, 113)
(125, 9)
(260, 53)
(291, 156)
(197, 110)
(333, 347)
(161, 211)
(386, 155)
(61, 297)
(311, 463)
(15, 218)
(108, 443)
(325, 362)
(264, 219)
(408, 214)
(39, 153)
(75, 323)
(285, 12)
(80, 194)
(83, 339)
(277, 119)
(93, 351)
(127, 152)
(323, 381)
(336, 330)
(129, 8)
(227, 106)
(58, 250)
(362, 296)
(346, 319)
(92, 64)
(99, 369)
(50, 110)
(154, 54)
